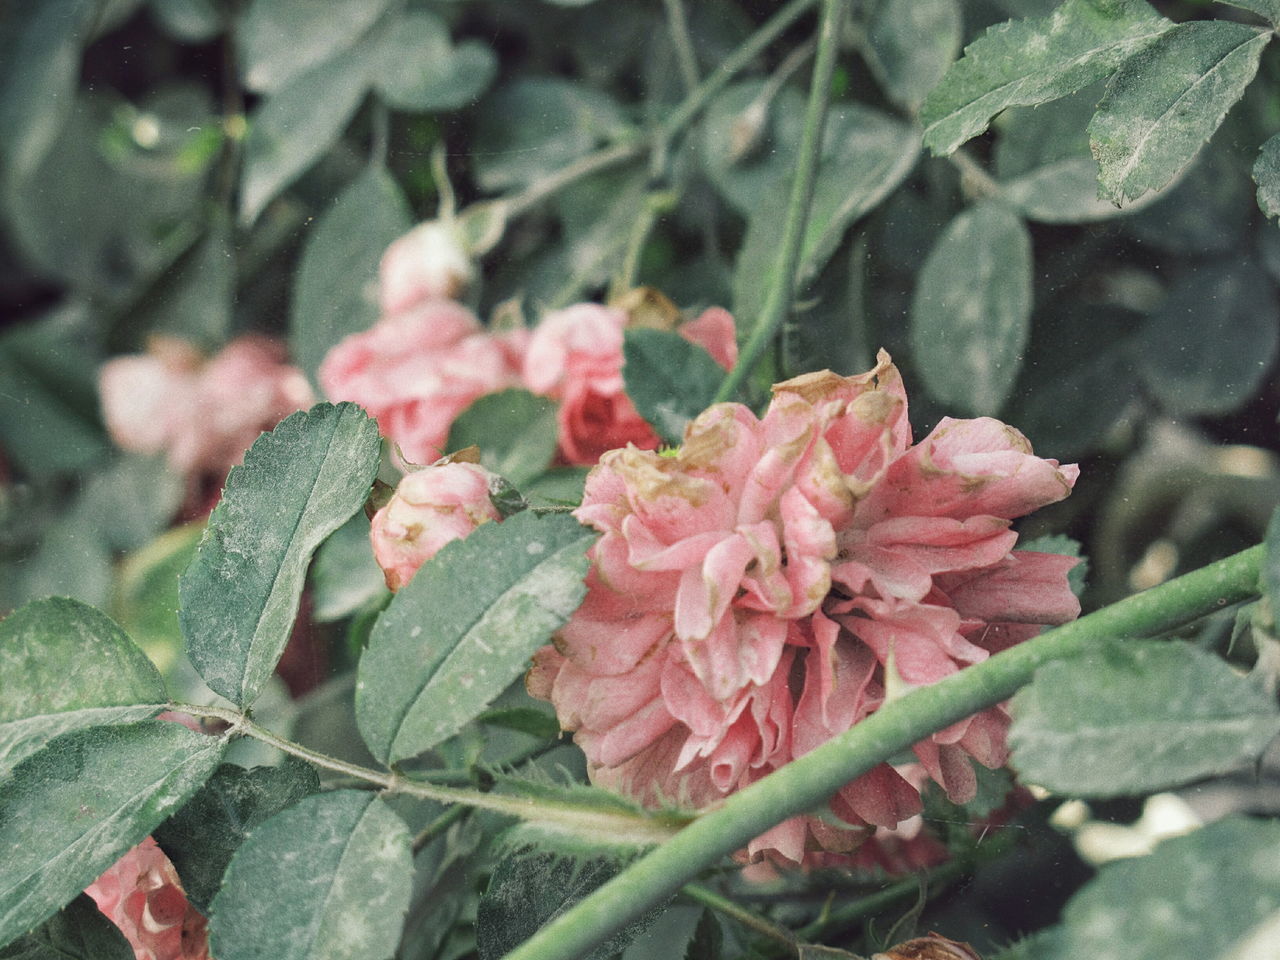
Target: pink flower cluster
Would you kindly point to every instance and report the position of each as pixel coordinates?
(142, 895)
(764, 588)
(428, 357)
(203, 413)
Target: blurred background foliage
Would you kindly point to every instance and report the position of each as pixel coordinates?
(205, 168)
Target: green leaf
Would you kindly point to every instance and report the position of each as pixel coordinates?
(290, 130)
(465, 627)
(743, 176)
(71, 810)
(669, 379)
(527, 889)
(79, 931)
(1196, 898)
(534, 126)
(279, 41)
(191, 21)
(1165, 102)
(1266, 174)
(1208, 348)
(1025, 62)
(537, 723)
(865, 156)
(326, 879)
(63, 666)
(345, 577)
(39, 71)
(48, 395)
(1269, 575)
(1135, 716)
(339, 267)
(910, 45)
(193, 300)
(201, 838)
(1267, 9)
(418, 68)
(297, 485)
(515, 431)
(145, 600)
(970, 315)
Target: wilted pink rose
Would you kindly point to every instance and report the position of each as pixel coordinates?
(416, 371)
(427, 263)
(142, 895)
(751, 594)
(202, 413)
(431, 507)
(575, 357)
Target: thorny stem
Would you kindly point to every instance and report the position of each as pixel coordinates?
(778, 299)
(808, 781)
(626, 829)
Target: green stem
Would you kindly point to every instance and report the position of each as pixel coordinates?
(686, 59)
(605, 826)
(748, 918)
(778, 299)
(438, 826)
(808, 781)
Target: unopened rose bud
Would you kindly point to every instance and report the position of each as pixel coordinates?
(430, 507)
(427, 263)
(932, 947)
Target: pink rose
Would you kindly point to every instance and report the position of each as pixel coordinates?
(430, 507)
(417, 370)
(202, 413)
(427, 263)
(142, 895)
(751, 593)
(575, 357)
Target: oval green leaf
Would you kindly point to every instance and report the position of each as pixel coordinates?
(669, 379)
(1137, 716)
(465, 627)
(1025, 62)
(327, 879)
(201, 838)
(339, 266)
(1165, 102)
(515, 430)
(297, 485)
(415, 66)
(1209, 346)
(1266, 174)
(971, 313)
(910, 44)
(279, 40)
(1198, 897)
(71, 810)
(64, 666)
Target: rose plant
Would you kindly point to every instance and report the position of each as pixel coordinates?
(647, 617)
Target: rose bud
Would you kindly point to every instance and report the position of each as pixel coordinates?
(427, 263)
(933, 947)
(430, 507)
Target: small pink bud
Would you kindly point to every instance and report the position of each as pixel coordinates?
(427, 263)
(430, 507)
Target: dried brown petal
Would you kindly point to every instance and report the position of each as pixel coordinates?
(932, 947)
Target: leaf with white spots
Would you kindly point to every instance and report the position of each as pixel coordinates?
(326, 879)
(298, 484)
(70, 810)
(1133, 716)
(465, 627)
(1212, 895)
(1165, 102)
(63, 666)
(1025, 62)
(971, 313)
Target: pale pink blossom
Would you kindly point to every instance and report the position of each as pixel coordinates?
(756, 592)
(417, 370)
(427, 263)
(142, 895)
(575, 357)
(202, 413)
(430, 508)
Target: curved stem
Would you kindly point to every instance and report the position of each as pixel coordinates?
(778, 299)
(810, 780)
(780, 936)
